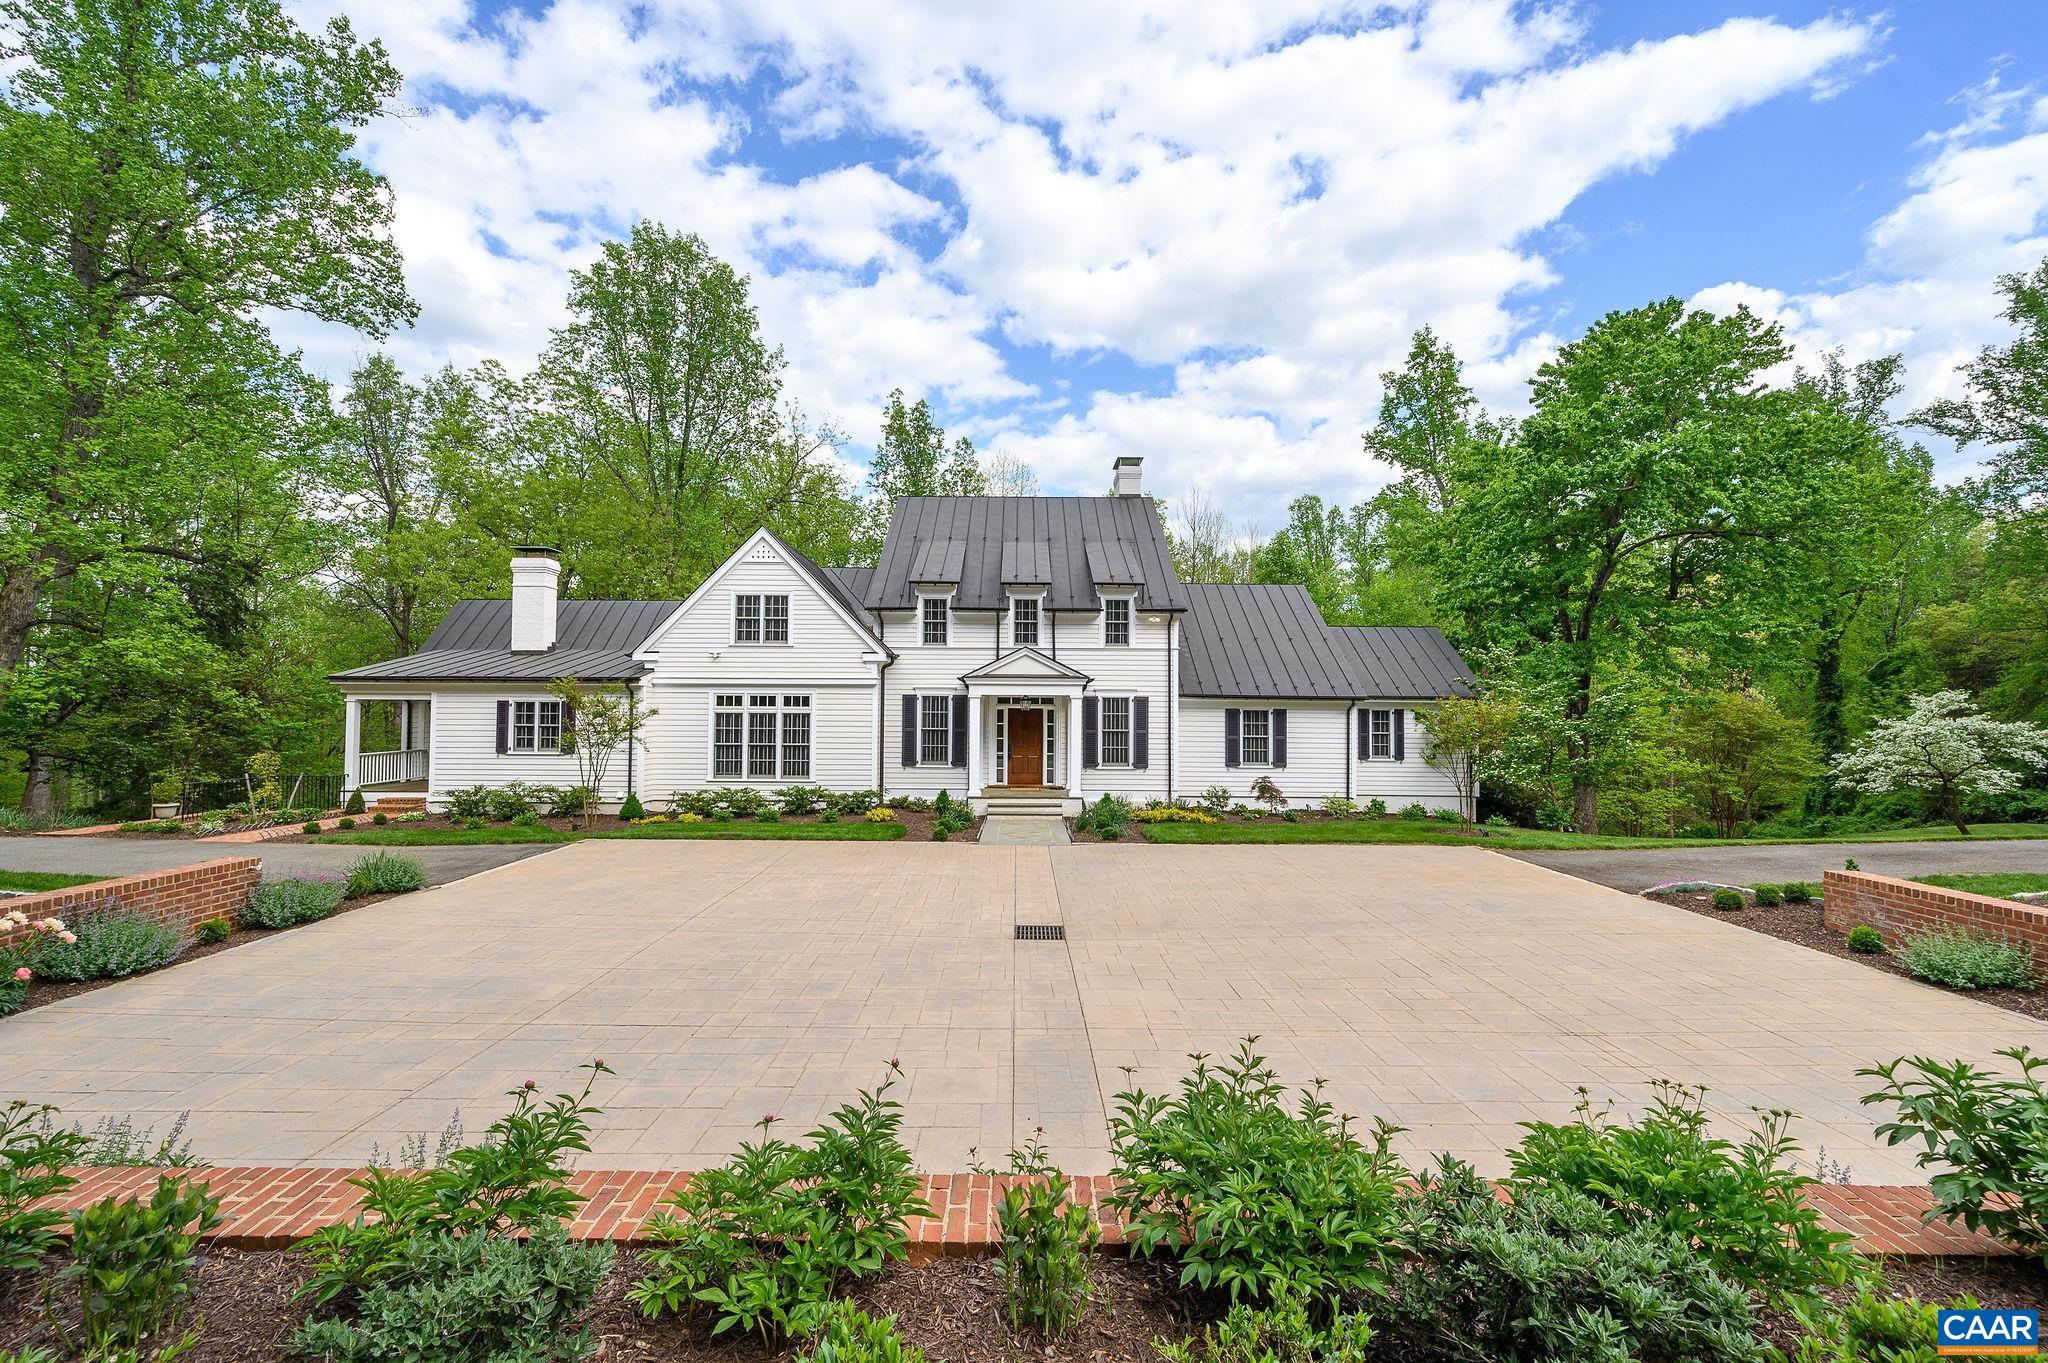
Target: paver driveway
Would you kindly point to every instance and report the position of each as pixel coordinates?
(1452, 990)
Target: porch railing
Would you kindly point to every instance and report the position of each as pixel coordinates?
(399, 764)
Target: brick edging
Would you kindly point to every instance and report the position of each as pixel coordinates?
(271, 1207)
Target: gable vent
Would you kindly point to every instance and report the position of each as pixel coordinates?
(1041, 932)
(761, 554)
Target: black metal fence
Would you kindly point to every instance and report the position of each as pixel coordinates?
(302, 790)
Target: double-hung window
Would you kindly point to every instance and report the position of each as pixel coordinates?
(760, 736)
(936, 616)
(1382, 737)
(760, 618)
(536, 726)
(1255, 739)
(1116, 620)
(1024, 621)
(1116, 731)
(934, 730)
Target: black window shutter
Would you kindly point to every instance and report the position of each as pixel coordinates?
(959, 731)
(1364, 735)
(910, 731)
(1091, 714)
(1230, 730)
(504, 726)
(1141, 731)
(1279, 738)
(1400, 735)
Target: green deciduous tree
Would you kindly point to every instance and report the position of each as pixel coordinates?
(1749, 756)
(169, 169)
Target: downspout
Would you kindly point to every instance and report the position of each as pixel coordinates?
(1172, 698)
(1350, 737)
(882, 708)
(632, 730)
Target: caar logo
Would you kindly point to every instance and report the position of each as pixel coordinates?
(1987, 1334)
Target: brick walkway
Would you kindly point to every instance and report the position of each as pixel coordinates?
(270, 1208)
(1452, 991)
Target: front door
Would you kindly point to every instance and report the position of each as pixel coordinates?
(1027, 747)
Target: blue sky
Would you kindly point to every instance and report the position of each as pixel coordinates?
(1198, 234)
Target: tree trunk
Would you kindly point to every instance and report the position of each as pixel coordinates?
(1586, 806)
(37, 794)
(1830, 723)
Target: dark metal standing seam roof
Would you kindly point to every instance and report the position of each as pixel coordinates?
(978, 542)
(1404, 660)
(1270, 641)
(829, 581)
(594, 641)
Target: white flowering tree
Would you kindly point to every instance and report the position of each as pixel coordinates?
(1947, 749)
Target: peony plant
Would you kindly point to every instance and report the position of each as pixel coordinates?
(15, 974)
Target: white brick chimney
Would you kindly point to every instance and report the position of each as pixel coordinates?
(535, 571)
(1127, 481)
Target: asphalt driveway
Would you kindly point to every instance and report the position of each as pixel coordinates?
(128, 856)
(1637, 870)
(1453, 991)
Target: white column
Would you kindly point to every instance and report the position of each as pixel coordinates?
(351, 745)
(974, 782)
(1073, 740)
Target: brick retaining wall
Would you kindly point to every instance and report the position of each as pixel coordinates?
(271, 1208)
(184, 895)
(1901, 908)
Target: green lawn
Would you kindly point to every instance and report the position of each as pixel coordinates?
(32, 881)
(855, 831)
(1998, 884)
(1535, 840)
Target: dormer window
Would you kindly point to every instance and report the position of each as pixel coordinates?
(935, 614)
(1116, 620)
(760, 618)
(1024, 622)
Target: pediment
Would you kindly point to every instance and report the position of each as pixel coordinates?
(1024, 664)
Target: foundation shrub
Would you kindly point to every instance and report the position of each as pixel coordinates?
(1865, 938)
(1249, 1195)
(1799, 891)
(1727, 897)
(310, 826)
(1338, 807)
(380, 818)
(1173, 814)
(1415, 812)
(740, 802)
(851, 801)
(355, 803)
(794, 800)
(763, 1241)
(1768, 896)
(1962, 959)
(215, 930)
(1741, 1203)
(288, 903)
(880, 814)
(630, 808)
(1215, 799)
(108, 943)
(1107, 818)
(1550, 1278)
(1984, 1133)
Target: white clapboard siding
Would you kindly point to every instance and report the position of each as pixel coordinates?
(1137, 670)
(698, 645)
(679, 739)
(463, 747)
(1315, 751)
(1402, 784)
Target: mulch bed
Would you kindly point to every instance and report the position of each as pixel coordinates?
(42, 992)
(1801, 923)
(953, 1310)
(917, 825)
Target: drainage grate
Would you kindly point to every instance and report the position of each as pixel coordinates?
(1041, 932)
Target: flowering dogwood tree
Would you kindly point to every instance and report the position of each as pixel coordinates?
(1947, 749)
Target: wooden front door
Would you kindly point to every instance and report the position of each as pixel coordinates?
(1027, 747)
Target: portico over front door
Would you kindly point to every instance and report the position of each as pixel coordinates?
(1027, 747)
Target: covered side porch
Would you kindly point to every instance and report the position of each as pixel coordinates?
(1024, 712)
(387, 745)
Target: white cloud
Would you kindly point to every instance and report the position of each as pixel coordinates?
(1263, 201)
(1977, 208)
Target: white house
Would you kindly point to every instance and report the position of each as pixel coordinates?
(1022, 652)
